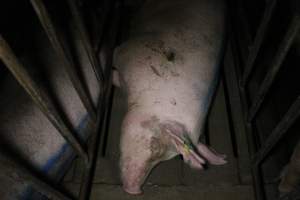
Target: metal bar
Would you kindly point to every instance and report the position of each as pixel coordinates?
(275, 66)
(93, 151)
(102, 18)
(270, 7)
(244, 37)
(62, 51)
(278, 132)
(102, 108)
(77, 16)
(235, 113)
(253, 146)
(38, 96)
(12, 168)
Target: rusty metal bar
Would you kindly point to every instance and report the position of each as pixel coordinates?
(261, 32)
(86, 42)
(286, 122)
(12, 168)
(38, 96)
(59, 45)
(283, 49)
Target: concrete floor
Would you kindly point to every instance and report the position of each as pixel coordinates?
(172, 179)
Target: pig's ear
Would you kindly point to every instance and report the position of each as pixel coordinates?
(189, 155)
(197, 156)
(211, 155)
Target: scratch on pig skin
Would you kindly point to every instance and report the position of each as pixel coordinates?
(131, 105)
(155, 70)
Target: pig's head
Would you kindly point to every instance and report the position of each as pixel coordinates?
(146, 141)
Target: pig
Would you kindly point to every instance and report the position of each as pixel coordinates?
(168, 69)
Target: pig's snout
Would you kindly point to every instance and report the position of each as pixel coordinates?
(133, 180)
(132, 189)
(133, 174)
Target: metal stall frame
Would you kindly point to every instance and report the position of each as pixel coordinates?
(89, 155)
(236, 51)
(43, 100)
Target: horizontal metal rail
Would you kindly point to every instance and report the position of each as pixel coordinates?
(60, 47)
(38, 96)
(288, 119)
(12, 168)
(86, 42)
(275, 66)
(260, 35)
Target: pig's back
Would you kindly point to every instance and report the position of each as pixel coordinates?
(169, 65)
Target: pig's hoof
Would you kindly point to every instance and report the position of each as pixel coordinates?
(132, 191)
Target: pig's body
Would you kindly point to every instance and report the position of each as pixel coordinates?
(168, 68)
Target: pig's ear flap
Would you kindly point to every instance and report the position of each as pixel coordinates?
(211, 155)
(189, 155)
(196, 158)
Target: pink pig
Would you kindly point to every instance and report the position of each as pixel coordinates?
(168, 69)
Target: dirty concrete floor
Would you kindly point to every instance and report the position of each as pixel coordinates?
(171, 179)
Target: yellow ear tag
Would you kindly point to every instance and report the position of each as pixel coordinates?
(186, 149)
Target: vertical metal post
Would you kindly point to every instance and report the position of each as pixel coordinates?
(79, 23)
(102, 107)
(275, 66)
(261, 32)
(235, 108)
(78, 18)
(62, 51)
(288, 119)
(256, 171)
(38, 96)
(12, 168)
(94, 142)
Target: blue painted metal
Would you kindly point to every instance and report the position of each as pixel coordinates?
(65, 151)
